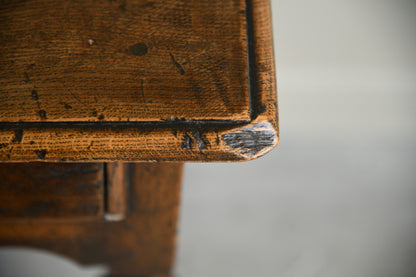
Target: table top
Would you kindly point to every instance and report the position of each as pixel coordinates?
(136, 80)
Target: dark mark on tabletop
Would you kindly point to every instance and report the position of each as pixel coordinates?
(139, 49)
(18, 135)
(187, 142)
(217, 139)
(201, 144)
(42, 114)
(41, 153)
(35, 95)
(91, 144)
(178, 66)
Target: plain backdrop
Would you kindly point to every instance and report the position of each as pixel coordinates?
(337, 197)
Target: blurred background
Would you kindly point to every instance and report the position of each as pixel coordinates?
(338, 195)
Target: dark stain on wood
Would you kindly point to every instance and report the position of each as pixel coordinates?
(101, 117)
(198, 137)
(42, 114)
(67, 106)
(178, 66)
(35, 95)
(174, 132)
(139, 49)
(217, 137)
(41, 153)
(18, 135)
(187, 142)
(91, 144)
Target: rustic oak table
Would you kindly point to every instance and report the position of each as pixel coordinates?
(101, 102)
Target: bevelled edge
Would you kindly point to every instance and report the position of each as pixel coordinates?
(191, 141)
(197, 143)
(264, 97)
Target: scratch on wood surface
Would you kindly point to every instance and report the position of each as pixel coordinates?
(178, 66)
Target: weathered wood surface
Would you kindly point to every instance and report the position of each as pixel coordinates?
(248, 111)
(122, 60)
(140, 245)
(44, 191)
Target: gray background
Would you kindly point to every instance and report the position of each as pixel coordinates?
(338, 195)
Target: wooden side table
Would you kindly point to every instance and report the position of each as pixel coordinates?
(101, 102)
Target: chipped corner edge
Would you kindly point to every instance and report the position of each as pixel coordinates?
(252, 141)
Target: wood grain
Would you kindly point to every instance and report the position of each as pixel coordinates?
(122, 60)
(45, 191)
(140, 245)
(178, 137)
